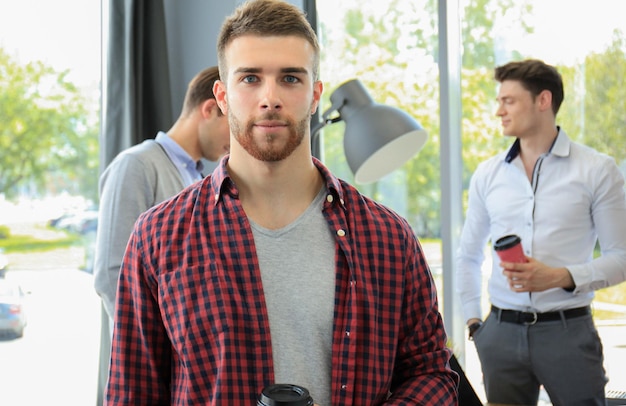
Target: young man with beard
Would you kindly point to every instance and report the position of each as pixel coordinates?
(272, 270)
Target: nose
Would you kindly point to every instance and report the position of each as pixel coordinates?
(500, 110)
(271, 97)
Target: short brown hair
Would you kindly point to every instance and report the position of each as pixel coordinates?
(266, 18)
(200, 89)
(536, 76)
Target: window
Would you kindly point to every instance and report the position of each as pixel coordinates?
(49, 126)
(392, 47)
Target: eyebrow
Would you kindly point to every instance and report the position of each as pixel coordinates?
(498, 98)
(282, 70)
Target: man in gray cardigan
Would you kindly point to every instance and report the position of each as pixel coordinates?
(147, 174)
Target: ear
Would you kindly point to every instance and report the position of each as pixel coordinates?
(219, 90)
(544, 100)
(318, 88)
(208, 108)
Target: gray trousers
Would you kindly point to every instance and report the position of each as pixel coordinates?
(565, 356)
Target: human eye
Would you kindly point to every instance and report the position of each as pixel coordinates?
(504, 101)
(291, 79)
(249, 79)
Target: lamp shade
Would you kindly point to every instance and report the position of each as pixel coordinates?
(378, 139)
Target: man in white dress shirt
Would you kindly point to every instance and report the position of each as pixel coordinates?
(561, 198)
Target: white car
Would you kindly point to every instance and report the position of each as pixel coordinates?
(12, 312)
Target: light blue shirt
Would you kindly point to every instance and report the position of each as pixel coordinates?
(575, 198)
(190, 170)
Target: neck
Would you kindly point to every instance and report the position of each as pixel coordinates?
(539, 142)
(184, 135)
(273, 194)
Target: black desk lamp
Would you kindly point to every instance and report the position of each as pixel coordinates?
(378, 139)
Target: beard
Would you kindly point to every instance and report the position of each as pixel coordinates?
(267, 150)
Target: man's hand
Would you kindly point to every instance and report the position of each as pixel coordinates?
(535, 276)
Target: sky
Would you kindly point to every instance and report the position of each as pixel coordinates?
(64, 34)
(567, 30)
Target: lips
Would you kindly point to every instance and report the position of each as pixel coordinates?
(270, 124)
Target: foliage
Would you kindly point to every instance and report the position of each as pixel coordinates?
(47, 143)
(27, 243)
(392, 48)
(397, 40)
(592, 112)
(5, 232)
(481, 23)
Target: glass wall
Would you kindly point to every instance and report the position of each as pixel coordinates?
(49, 126)
(392, 47)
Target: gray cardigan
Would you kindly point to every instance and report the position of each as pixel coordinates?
(137, 179)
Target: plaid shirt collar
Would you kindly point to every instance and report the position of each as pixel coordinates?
(222, 183)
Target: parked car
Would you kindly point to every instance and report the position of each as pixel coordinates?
(80, 222)
(12, 311)
(85, 223)
(4, 264)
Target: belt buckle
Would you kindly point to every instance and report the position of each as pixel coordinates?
(530, 323)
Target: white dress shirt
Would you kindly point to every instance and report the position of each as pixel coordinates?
(576, 198)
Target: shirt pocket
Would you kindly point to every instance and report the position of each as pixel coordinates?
(194, 306)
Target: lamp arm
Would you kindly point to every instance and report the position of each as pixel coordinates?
(315, 131)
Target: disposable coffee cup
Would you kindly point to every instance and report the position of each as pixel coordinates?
(284, 394)
(509, 248)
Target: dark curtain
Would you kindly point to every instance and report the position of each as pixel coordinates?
(137, 99)
(310, 8)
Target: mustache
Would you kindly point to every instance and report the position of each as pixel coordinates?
(271, 116)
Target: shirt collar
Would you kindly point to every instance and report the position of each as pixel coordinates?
(222, 183)
(177, 153)
(560, 147)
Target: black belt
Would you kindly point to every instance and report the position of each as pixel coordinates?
(514, 316)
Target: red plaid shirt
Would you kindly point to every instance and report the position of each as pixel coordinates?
(192, 328)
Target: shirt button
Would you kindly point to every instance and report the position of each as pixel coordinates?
(347, 333)
(329, 198)
(341, 233)
(217, 196)
(344, 387)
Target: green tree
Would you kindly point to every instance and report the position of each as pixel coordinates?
(605, 99)
(47, 142)
(392, 47)
(481, 22)
(595, 100)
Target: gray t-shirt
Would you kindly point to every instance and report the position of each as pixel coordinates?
(298, 271)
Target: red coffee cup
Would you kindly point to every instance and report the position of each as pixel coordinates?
(509, 248)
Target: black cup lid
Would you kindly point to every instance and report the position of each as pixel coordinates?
(283, 394)
(506, 242)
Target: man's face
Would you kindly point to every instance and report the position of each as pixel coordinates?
(516, 108)
(269, 94)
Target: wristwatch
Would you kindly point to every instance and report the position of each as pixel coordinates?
(472, 328)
